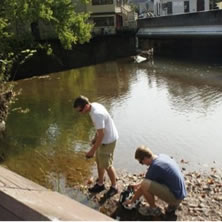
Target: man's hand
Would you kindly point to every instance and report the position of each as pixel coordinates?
(96, 142)
(135, 186)
(90, 154)
(127, 202)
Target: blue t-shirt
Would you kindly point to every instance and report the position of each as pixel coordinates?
(165, 170)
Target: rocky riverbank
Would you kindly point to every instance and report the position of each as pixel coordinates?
(203, 202)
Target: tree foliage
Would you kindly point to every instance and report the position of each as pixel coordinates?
(71, 27)
(20, 22)
(20, 30)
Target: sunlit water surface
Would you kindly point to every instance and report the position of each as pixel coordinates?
(172, 107)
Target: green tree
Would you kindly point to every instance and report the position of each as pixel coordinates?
(24, 22)
(25, 16)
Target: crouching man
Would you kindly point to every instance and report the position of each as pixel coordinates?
(163, 179)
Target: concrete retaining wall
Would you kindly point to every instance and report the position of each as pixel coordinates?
(99, 49)
(23, 200)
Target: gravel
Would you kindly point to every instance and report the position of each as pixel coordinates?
(203, 202)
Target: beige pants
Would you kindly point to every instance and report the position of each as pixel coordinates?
(104, 155)
(161, 191)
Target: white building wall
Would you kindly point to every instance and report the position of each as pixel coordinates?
(177, 6)
(119, 12)
(156, 7)
(115, 7)
(207, 5)
(193, 5)
(100, 8)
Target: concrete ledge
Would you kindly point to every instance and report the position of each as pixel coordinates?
(184, 31)
(21, 199)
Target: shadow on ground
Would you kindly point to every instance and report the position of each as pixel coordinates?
(123, 214)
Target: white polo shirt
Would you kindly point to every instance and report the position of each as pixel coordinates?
(102, 120)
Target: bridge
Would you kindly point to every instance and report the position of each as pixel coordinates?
(199, 24)
(196, 33)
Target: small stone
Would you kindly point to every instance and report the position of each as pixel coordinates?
(90, 181)
(192, 205)
(206, 188)
(219, 198)
(201, 205)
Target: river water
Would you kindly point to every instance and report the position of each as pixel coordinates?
(172, 106)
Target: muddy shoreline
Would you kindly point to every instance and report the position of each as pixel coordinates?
(203, 202)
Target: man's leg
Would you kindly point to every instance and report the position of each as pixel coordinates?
(99, 186)
(101, 172)
(106, 160)
(153, 210)
(112, 175)
(145, 185)
(161, 191)
(110, 169)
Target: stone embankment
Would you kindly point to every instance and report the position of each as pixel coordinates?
(203, 202)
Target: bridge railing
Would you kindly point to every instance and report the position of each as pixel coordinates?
(213, 17)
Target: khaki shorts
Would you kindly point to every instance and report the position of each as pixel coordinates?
(104, 155)
(161, 191)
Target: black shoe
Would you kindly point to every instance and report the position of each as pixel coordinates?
(96, 188)
(111, 192)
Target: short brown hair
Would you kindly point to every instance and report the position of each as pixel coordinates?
(80, 101)
(143, 151)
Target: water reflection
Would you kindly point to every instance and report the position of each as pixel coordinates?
(173, 107)
(187, 94)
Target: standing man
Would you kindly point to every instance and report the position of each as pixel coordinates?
(163, 179)
(103, 144)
